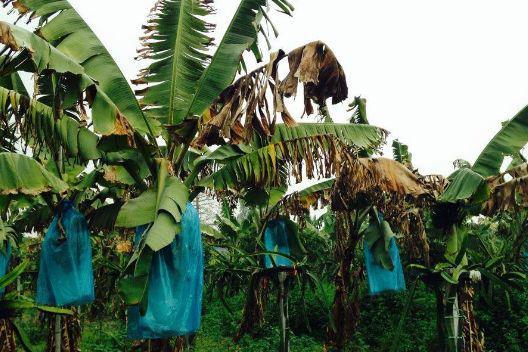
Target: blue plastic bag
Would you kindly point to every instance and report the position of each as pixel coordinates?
(175, 285)
(381, 279)
(65, 275)
(276, 240)
(5, 255)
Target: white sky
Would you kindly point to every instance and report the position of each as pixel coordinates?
(439, 75)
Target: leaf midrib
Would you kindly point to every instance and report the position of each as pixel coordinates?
(176, 60)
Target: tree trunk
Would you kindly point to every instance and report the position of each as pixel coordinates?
(7, 336)
(473, 337)
(57, 331)
(283, 313)
(70, 333)
(441, 328)
(345, 309)
(253, 315)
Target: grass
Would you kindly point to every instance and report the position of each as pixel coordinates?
(308, 319)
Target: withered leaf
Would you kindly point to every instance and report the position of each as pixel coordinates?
(7, 38)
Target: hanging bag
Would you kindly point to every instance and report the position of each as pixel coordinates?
(276, 240)
(65, 275)
(381, 279)
(175, 285)
(281, 236)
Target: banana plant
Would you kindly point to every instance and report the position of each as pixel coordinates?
(478, 189)
(236, 259)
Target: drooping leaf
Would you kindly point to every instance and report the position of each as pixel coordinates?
(301, 201)
(13, 274)
(251, 104)
(316, 66)
(20, 174)
(267, 166)
(358, 107)
(311, 145)
(107, 118)
(315, 188)
(508, 191)
(162, 206)
(211, 231)
(138, 211)
(38, 122)
(512, 137)
(54, 310)
(13, 82)
(42, 55)
(378, 236)
(297, 249)
(359, 136)
(464, 184)
(71, 35)
(376, 181)
(224, 153)
(132, 289)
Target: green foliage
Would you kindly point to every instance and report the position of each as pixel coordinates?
(66, 30)
(163, 207)
(378, 236)
(291, 146)
(505, 323)
(358, 107)
(44, 127)
(380, 316)
(401, 153)
(178, 38)
(359, 136)
(42, 55)
(20, 174)
(240, 35)
(465, 184)
(509, 141)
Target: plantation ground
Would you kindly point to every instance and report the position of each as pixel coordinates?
(505, 330)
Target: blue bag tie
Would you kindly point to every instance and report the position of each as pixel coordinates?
(175, 285)
(381, 279)
(65, 274)
(276, 240)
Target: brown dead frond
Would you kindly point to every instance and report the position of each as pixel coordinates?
(374, 181)
(257, 296)
(384, 183)
(316, 66)
(508, 196)
(7, 38)
(434, 184)
(415, 242)
(252, 103)
(508, 191)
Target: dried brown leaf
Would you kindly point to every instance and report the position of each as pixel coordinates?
(7, 38)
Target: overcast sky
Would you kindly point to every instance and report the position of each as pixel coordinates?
(439, 75)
